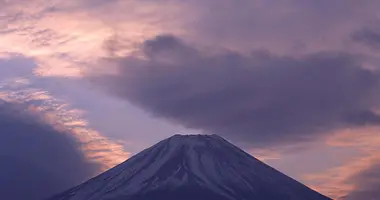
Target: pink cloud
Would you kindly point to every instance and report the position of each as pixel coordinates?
(347, 181)
(62, 116)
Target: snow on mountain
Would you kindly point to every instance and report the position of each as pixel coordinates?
(191, 167)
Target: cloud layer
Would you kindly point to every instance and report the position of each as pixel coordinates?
(45, 145)
(260, 98)
(38, 160)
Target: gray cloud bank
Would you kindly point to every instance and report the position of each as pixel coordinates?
(260, 98)
(37, 160)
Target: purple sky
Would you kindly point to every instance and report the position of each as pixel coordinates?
(290, 81)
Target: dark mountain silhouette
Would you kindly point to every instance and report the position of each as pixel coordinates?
(191, 167)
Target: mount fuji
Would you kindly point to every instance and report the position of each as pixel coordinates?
(191, 167)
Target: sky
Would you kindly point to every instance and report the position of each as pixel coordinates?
(85, 84)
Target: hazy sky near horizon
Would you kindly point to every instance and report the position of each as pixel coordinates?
(295, 83)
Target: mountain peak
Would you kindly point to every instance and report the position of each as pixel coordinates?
(189, 139)
(193, 136)
(188, 167)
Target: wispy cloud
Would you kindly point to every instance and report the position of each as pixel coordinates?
(358, 178)
(66, 36)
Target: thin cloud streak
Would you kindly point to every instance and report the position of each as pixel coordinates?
(358, 178)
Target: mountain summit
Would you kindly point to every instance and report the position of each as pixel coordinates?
(191, 167)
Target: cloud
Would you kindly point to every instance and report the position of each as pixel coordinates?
(278, 26)
(358, 177)
(364, 175)
(63, 37)
(367, 184)
(38, 160)
(261, 98)
(66, 36)
(46, 146)
(60, 113)
(369, 37)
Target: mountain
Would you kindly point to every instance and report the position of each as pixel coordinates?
(191, 167)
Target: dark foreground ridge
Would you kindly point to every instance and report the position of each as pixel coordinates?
(191, 167)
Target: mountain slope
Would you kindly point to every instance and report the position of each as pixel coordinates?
(201, 167)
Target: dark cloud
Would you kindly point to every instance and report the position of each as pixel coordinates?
(37, 160)
(367, 184)
(261, 98)
(277, 25)
(369, 37)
